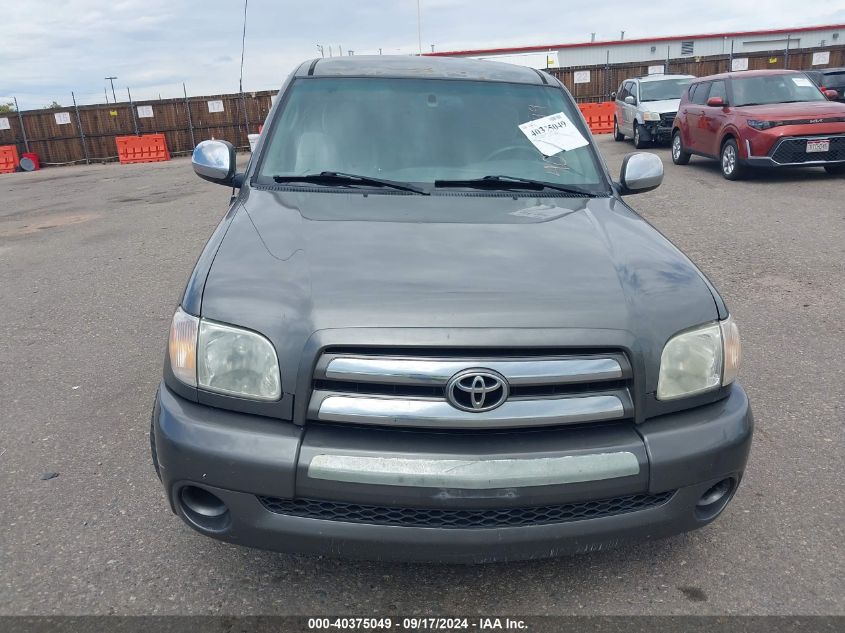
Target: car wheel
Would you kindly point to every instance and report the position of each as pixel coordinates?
(639, 143)
(835, 170)
(729, 159)
(617, 135)
(679, 156)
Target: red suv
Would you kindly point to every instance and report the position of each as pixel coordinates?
(765, 118)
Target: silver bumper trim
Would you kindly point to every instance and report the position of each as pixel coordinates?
(392, 411)
(434, 371)
(473, 474)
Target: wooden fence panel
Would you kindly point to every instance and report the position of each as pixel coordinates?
(60, 144)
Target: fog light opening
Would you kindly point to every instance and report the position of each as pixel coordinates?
(714, 499)
(203, 509)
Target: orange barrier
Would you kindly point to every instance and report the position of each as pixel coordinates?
(9, 160)
(599, 116)
(147, 148)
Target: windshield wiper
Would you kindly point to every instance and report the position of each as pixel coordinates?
(512, 182)
(339, 178)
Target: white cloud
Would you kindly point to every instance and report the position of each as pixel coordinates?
(52, 47)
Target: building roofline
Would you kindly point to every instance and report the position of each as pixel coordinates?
(641, 40)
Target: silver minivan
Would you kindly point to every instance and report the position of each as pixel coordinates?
(646, 108)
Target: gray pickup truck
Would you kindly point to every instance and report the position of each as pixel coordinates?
(430, 328)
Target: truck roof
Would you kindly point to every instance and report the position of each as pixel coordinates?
(647, 78)
(415, 67)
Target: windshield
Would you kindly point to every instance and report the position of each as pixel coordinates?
(766, 89)
(663, 89)
(422, 130)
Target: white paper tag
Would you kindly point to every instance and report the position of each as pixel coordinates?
(145, 112)
(821, 58)
(62, 118)
(739, 63)
(553, 134)
(215, 106)
(4, 123)
(802, 81)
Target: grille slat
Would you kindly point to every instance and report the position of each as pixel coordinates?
(464, 518)
(416, 388)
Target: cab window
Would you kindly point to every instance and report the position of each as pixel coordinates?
(701, 93)
(717, 89)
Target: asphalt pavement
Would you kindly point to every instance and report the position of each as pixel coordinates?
(92, 263)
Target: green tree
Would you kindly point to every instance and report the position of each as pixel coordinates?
(6, 108)
(55, 104)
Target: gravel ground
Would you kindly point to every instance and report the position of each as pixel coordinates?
(92, 263)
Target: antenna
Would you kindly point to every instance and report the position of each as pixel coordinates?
(243, 48)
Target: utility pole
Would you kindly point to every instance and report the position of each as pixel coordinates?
(111, 81)
(320, 48)
(81, 131)
(786, 55)
(419, 29)
(106, 93)
(132, 109)
(20, 121)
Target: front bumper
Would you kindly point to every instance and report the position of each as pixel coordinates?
(658, 131)
(776, 149)
(243, 460)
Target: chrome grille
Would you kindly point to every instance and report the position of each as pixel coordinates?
(410, 390)
(667, 119)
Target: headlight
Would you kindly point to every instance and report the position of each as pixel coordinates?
(223, 358)
(761, 125)
(699, 360)
(651, 116)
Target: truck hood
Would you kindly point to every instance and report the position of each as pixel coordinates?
(662, 106)
(293, 263)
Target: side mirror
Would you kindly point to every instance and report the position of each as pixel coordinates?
(630, 100)
(716, 102)
(613, 96)
(215, 161)
(640, 172)
(831, 94)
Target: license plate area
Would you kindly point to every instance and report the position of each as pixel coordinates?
(820, 145)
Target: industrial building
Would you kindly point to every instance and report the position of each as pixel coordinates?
(658, 49)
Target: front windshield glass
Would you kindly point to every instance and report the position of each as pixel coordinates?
(422, 130)
(766, 89)
(663, 89)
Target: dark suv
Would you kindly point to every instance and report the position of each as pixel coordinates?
(829, 79)
(430, 328)
(760, 118)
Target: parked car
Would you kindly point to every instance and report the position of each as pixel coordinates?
(829, 79)
(762, 118)
(430, 328)
(646, 107)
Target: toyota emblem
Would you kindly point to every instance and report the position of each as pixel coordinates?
(477, 390)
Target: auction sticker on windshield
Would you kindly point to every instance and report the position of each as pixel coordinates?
(553, 134)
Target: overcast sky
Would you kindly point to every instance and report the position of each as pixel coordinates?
(49, 48)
